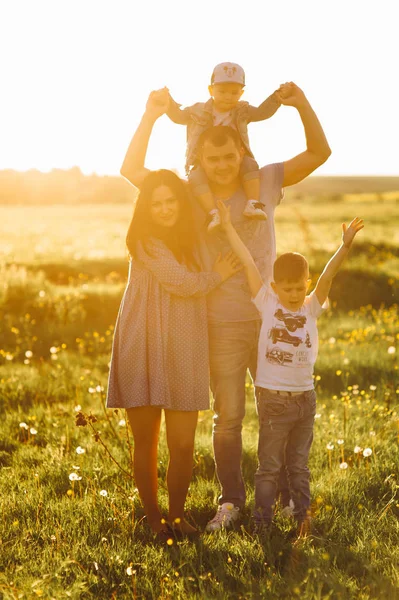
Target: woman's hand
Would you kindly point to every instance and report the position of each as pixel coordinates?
(348, 233)
(158, 103)
(227, 265)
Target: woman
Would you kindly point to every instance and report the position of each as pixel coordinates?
(160, 349)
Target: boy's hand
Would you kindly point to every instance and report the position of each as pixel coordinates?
(224, 212)
(227, 265)
(158, 103)
(290, 94)
(348, 233)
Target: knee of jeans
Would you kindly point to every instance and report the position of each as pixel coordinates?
(227, 425)
(267, 473)
(298, 470)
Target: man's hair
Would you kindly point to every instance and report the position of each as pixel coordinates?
(290, 266)
(218, 136)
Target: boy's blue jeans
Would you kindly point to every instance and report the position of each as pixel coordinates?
(285, 436)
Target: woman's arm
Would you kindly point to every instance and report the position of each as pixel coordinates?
(133, 168)
(177, 279)
(254, 278)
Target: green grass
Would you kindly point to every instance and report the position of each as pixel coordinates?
(61, 282)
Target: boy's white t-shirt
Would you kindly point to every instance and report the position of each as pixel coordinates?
(288, 342)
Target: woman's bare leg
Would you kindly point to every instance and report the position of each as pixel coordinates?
(145, 422)
(180, 433)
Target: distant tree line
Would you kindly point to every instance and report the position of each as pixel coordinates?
(62, 187)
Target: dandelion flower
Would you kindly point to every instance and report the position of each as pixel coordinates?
(33, 431)
(103, 493)
(357, 449)
(130, 571)
(367, 452)
(391, 350)
(78, 408)
(332, 340)
(53, 350)
(29, 354)
(91, 390)
(346, 361)
(340, 442)
(122, 423)
(373, 388)
(23, 426)
(169, 542)
(99, 388)
(343, 465)
(80, 450)
(338, 373)
(330, 446)
(42, 293)
(317, 416)
(74, 477)
(372, 433)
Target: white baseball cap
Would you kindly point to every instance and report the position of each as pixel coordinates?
(228, 72)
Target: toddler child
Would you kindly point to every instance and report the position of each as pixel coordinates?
(287, 351)
(224, 108)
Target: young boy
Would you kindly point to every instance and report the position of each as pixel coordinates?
(224, 108)
(288, 342)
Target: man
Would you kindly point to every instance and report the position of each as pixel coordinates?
(234, 322)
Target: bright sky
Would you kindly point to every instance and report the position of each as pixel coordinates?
(75, 75)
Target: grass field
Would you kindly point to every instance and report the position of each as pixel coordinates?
(72, 524)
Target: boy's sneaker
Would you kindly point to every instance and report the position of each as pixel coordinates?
(288, 511)
(254, 210)
(213, 220)
(226, 514)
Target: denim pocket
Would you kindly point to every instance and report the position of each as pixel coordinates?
(270, 405)
(310, 398)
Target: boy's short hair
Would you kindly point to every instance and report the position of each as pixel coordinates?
(290, 266)
(218, 136)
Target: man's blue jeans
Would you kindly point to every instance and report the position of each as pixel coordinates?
(285, 436)
(233, 350)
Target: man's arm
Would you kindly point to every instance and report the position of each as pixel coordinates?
(324, 282)
(264, 110)
(133, 168)
(317, 148)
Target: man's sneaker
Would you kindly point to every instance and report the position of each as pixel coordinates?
(213, 220)
(226, 514)
(254, 210)
(288, 511)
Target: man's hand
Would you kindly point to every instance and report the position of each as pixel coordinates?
(289, 94)
(157, 103)
(348, 233)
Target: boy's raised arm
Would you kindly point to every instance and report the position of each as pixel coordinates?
(266, 109)
(317, 148)
(178, 115)
(133, 168)
(239, 248)
(332, 267)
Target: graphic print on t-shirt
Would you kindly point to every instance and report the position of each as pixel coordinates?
(291, 341)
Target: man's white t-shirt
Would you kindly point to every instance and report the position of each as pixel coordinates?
(288, 342)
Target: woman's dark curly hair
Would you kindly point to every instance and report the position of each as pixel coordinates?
(181, 238)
